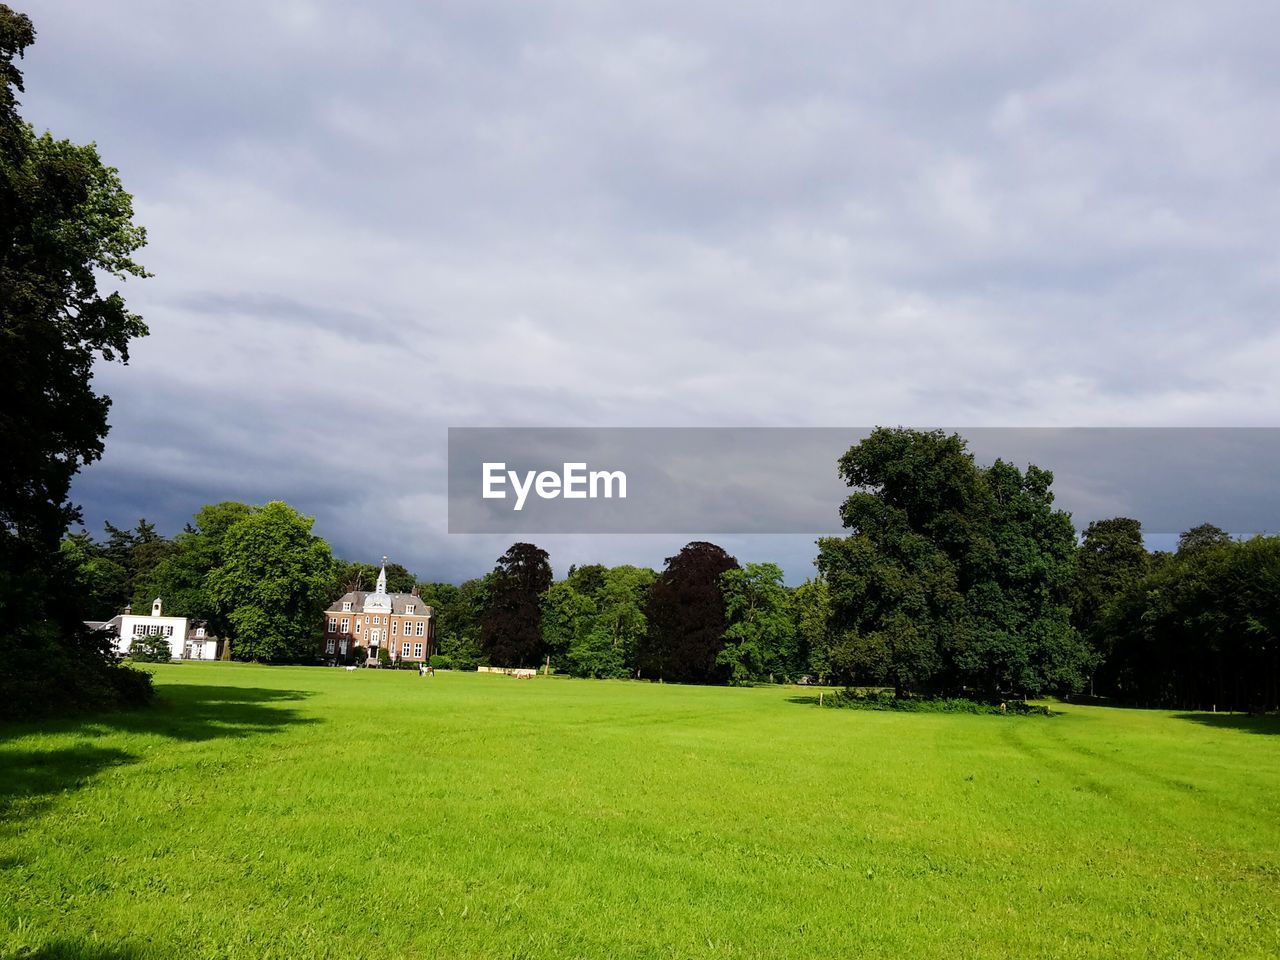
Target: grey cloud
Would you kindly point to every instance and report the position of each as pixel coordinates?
(611, 214)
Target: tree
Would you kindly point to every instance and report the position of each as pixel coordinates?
(272, 584)
(511, 626)
(1204, 537)
(181, 577)
(685, 613)
(567, 617)
(457, 611)
(1112, 557)
(593, 621)
(953, 577)
(811, 605)
(150, 649)
(66, 222)
(760, 634)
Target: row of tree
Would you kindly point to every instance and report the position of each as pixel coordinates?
(953, 579)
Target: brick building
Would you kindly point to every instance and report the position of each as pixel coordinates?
(400, 623)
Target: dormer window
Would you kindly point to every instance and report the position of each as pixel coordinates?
(346, 606)
(408, 608)
(200, 632)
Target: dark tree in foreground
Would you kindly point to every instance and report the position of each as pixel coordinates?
(65, 223)
(686, 617)
(511, 627)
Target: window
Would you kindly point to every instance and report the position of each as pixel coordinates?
(394, 624)
(328, 647)
(168, 631)
(422, 628)
(377, 620)
(357, 626)
(417, 649)
(346, 606)
(408, 608)
(346, 625)
(342, 647)
(200, 632)
(404, 649)
(139, 629)
(333, 624)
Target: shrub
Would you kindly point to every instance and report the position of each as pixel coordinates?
(440, 662)
(150, 649)
(46, 674)
(885, 700)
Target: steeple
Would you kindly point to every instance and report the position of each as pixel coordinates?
(382, 578)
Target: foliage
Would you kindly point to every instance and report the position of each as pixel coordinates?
(953, 576)
(686, 617)
(457, 612)
(811, 605)
(66, 223)
(1111, 559)
(272, 584)
(150, 649)
(760, 631)
(1201, 629)
(885, 700)
(511, 624)
(593, 621)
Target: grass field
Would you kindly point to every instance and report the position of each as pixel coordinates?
(292, 812)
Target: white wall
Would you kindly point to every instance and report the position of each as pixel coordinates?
(176, 628)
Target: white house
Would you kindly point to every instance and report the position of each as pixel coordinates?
(129, 626)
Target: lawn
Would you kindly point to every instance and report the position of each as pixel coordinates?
(293, 812)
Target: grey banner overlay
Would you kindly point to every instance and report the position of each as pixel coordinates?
(745, 480)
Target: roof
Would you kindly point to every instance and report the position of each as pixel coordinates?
(398, 602)
(112, 624)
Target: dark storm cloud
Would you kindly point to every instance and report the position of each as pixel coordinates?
(370, 223)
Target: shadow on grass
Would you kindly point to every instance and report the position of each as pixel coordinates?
(30, 779)
(1248, 723)
(61, 949)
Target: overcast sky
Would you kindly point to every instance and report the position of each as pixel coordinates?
(370, 222)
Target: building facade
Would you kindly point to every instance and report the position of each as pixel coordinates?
(128, 626)
(399, 623)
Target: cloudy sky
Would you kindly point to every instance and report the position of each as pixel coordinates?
(371, 222)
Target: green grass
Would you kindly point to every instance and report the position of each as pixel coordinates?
(291, 812)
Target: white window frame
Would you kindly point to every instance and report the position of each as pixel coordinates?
(404, 649)
(333, 624)
(422, 629)
(346, 625)
(417, 650)
(346, 606)
(394, 624)
(408, 608)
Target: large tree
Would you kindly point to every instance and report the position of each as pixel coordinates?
(181, 578)
(953, 576)
(1112, 557)
(66, 224)
(685, 614)
(272, 584)
(760, 636)
(511, 628)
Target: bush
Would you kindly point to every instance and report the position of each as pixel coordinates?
(150, 649)
(46, 674)
(885, 700)
(440, 663)
(384, 658)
